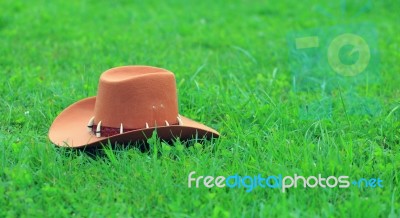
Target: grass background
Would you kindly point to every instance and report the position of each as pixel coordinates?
(223, 54)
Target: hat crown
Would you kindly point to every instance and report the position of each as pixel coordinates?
(136, 97)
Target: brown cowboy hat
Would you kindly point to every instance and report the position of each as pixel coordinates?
(131, 102)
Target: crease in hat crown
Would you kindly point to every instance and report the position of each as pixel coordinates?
(136, 97)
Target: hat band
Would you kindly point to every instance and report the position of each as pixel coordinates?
(105, 131)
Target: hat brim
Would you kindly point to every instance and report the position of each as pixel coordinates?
(69, 129)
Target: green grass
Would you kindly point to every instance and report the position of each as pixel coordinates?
(224, 55)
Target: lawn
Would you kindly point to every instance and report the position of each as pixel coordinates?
(233, 71)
